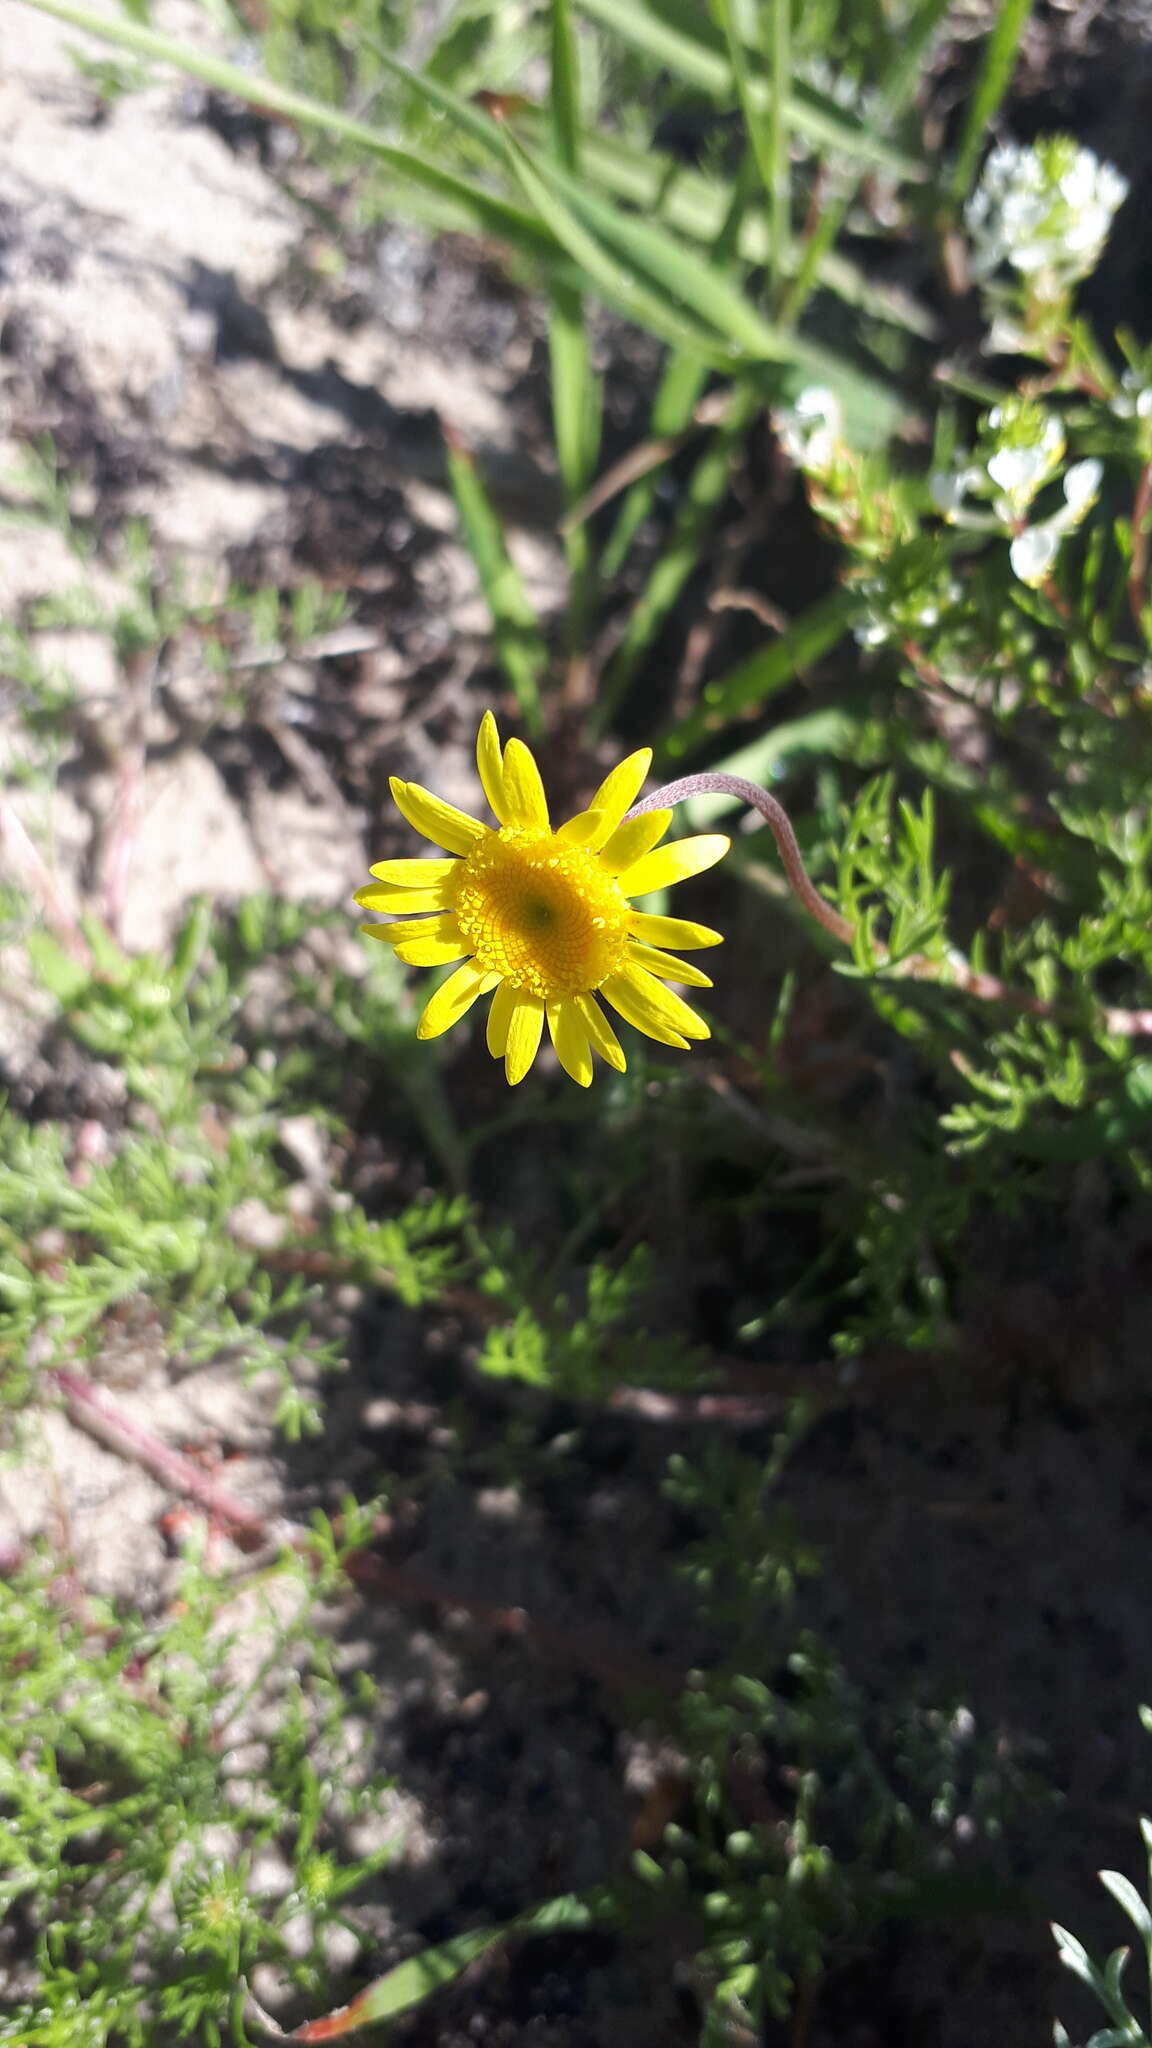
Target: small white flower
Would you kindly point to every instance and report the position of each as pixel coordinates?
(812, 430)
(1033, 552)
(949, 488)
(1133, 401)
(1081, 490)
(1007, 337)
(873, 635)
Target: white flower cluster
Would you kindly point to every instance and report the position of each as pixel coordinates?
(1023, 448)
(1045, 210)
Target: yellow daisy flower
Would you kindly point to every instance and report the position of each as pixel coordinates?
(544, 920)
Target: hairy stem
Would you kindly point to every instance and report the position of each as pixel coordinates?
(779, 824)
(957, 971)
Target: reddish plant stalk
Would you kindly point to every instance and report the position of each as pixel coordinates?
(779, 824)
(956, 971)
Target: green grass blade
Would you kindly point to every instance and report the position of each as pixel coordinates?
(690, 203)
(677, 396)
(575, 393)
(410, 1983)
(702, 64)
(565, 88)
(779, 54)
(612, 280)
(693, 59)
(403, 1988)
(576, 426)
(694, 519)
(682, 284)
(680, 389)
(575, 388)
(896, 92)
(765, 673)
(756, 126)
(1010, 21)
(516, 633)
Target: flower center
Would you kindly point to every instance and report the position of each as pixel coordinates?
(543, 916)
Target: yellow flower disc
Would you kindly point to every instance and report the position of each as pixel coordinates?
(543, 921)
(543, 916)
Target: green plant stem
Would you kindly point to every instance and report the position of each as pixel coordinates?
(779, 53)
(1009, 23)
(698, 510)
(953, 971)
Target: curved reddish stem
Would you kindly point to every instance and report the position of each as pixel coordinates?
(780, 825)
(1122, 1023)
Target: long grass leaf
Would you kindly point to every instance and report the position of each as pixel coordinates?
(1008, 26)
(754, 115)
(616, 284)
(516, 633)
(680, 387)
(693, 204)
(575, 392)
(779, 54)
(895, 92)
(704, 66)
(694, 519)
(753, 681)
(408, 1985)
(683, 283)
(575, 388)
(565, 100)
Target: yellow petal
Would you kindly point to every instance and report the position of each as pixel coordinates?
(674, 863)
(500, 1020)
(633, 839)
(442, 823)
(427, 941)
(377, 896)
(672, 931)
(585, 829)
(523, 1035)
(651, 1007)
(452, 1000)
(524, 801)
(415, 874)
(569, 1035)
(443, 926)
(429, 952)
(623, 997)
(619, 790)
(490, 765)
(600, 1032)
(656, 961)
